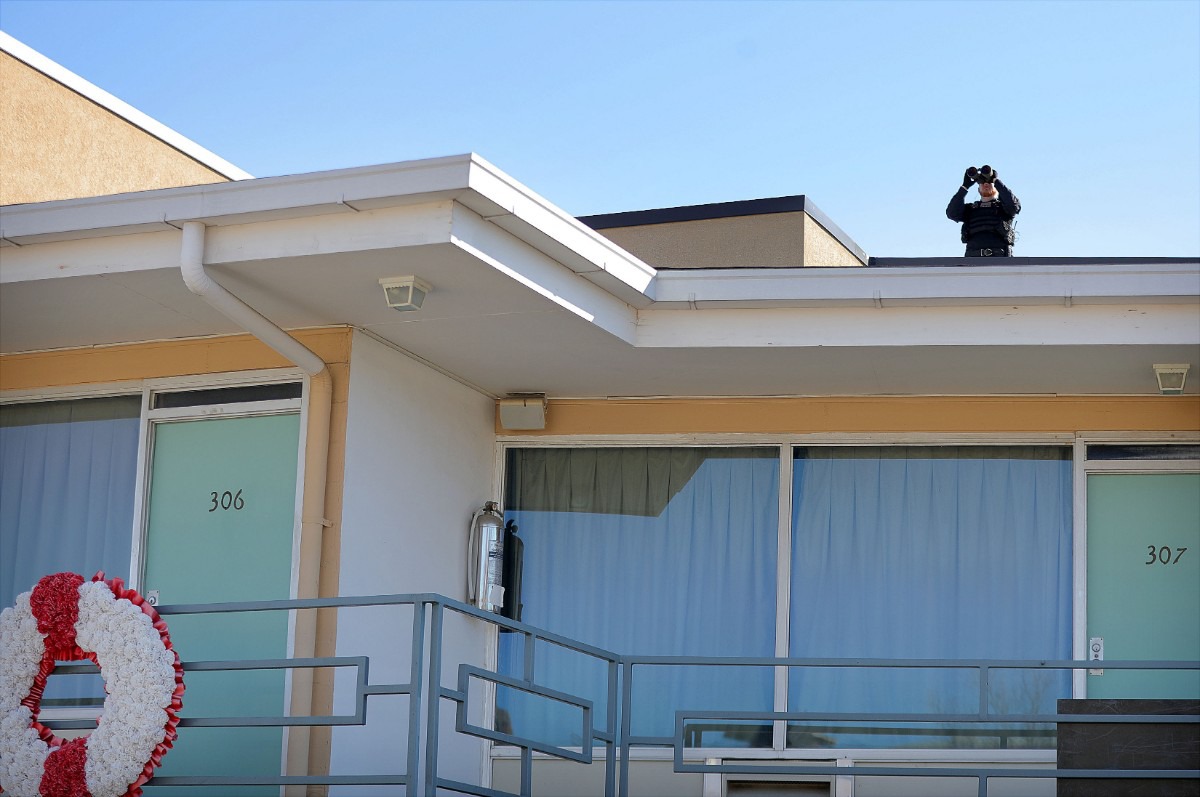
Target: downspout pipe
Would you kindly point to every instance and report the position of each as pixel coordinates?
(316, 466)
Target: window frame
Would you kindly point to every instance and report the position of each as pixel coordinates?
(151, 418)
(147, 420)
(785, 445)
(1084, 468)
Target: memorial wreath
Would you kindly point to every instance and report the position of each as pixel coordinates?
(66, 618)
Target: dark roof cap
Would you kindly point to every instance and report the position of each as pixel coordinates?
(715, 210)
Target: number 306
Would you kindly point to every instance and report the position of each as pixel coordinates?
(226, 500)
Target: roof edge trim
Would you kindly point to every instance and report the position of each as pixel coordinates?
(1024, 260)
(468, 180)
(589, 249)
(714, 210)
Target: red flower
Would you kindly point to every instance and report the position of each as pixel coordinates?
(63, 775)
(55, 604)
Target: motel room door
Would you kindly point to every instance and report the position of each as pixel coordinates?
(220, 525)
(1143, 579)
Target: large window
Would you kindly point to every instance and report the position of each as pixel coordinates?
(67, 475)
(931, 552)
(654, 551)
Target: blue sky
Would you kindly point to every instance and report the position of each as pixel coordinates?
(1089, 110)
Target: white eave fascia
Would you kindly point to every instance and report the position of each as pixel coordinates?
(244, 202)
(1082, 283)
(513, 207)
(75, 83)
(467, 179)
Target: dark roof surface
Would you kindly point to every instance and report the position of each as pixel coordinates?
(716, 210)
(898, 262)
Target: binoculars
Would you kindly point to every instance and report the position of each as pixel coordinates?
(984, 174)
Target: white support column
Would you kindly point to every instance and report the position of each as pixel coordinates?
(843, 785)
(783, 593)
(711, 780)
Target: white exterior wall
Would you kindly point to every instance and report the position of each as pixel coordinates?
(419, 461)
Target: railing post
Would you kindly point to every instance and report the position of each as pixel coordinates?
(985, 684)
(433, 707)
(415, 669)
(610, 725)
(526, 752)
(623, 735)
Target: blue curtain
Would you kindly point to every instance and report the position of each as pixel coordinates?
(67, 473)
(656, 551)
(948, 552)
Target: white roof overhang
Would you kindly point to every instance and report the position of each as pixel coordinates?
(526, 298)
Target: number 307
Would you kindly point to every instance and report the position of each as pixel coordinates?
(1162, 556)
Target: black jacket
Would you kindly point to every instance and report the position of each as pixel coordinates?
(987, 224)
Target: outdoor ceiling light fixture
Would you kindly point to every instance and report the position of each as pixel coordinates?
(523, 411)
(405, 293)
(1171, 377)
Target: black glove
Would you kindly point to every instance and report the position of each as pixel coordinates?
(969, 176)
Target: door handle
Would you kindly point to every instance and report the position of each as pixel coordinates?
(1096, 653)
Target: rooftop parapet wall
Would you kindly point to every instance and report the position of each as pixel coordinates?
(58, 144)
(780, 232)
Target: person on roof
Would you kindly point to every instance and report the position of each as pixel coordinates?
(987, 223)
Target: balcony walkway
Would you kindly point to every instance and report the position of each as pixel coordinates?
(768, 739)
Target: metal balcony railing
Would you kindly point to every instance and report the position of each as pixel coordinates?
(606, 734)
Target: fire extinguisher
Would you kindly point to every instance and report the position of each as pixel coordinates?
(485, 568)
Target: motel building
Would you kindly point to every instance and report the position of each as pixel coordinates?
(442, 490)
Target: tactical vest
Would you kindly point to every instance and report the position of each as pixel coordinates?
(983, 220)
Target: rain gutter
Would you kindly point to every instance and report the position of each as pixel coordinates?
(316, 469)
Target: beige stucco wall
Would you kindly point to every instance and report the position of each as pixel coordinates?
(822, 250)
(768, 240)
(56, 144)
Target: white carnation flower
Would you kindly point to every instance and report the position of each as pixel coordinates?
(23, 645)
(22, 754)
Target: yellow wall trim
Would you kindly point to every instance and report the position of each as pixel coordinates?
(137, 361)
(920, 414)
